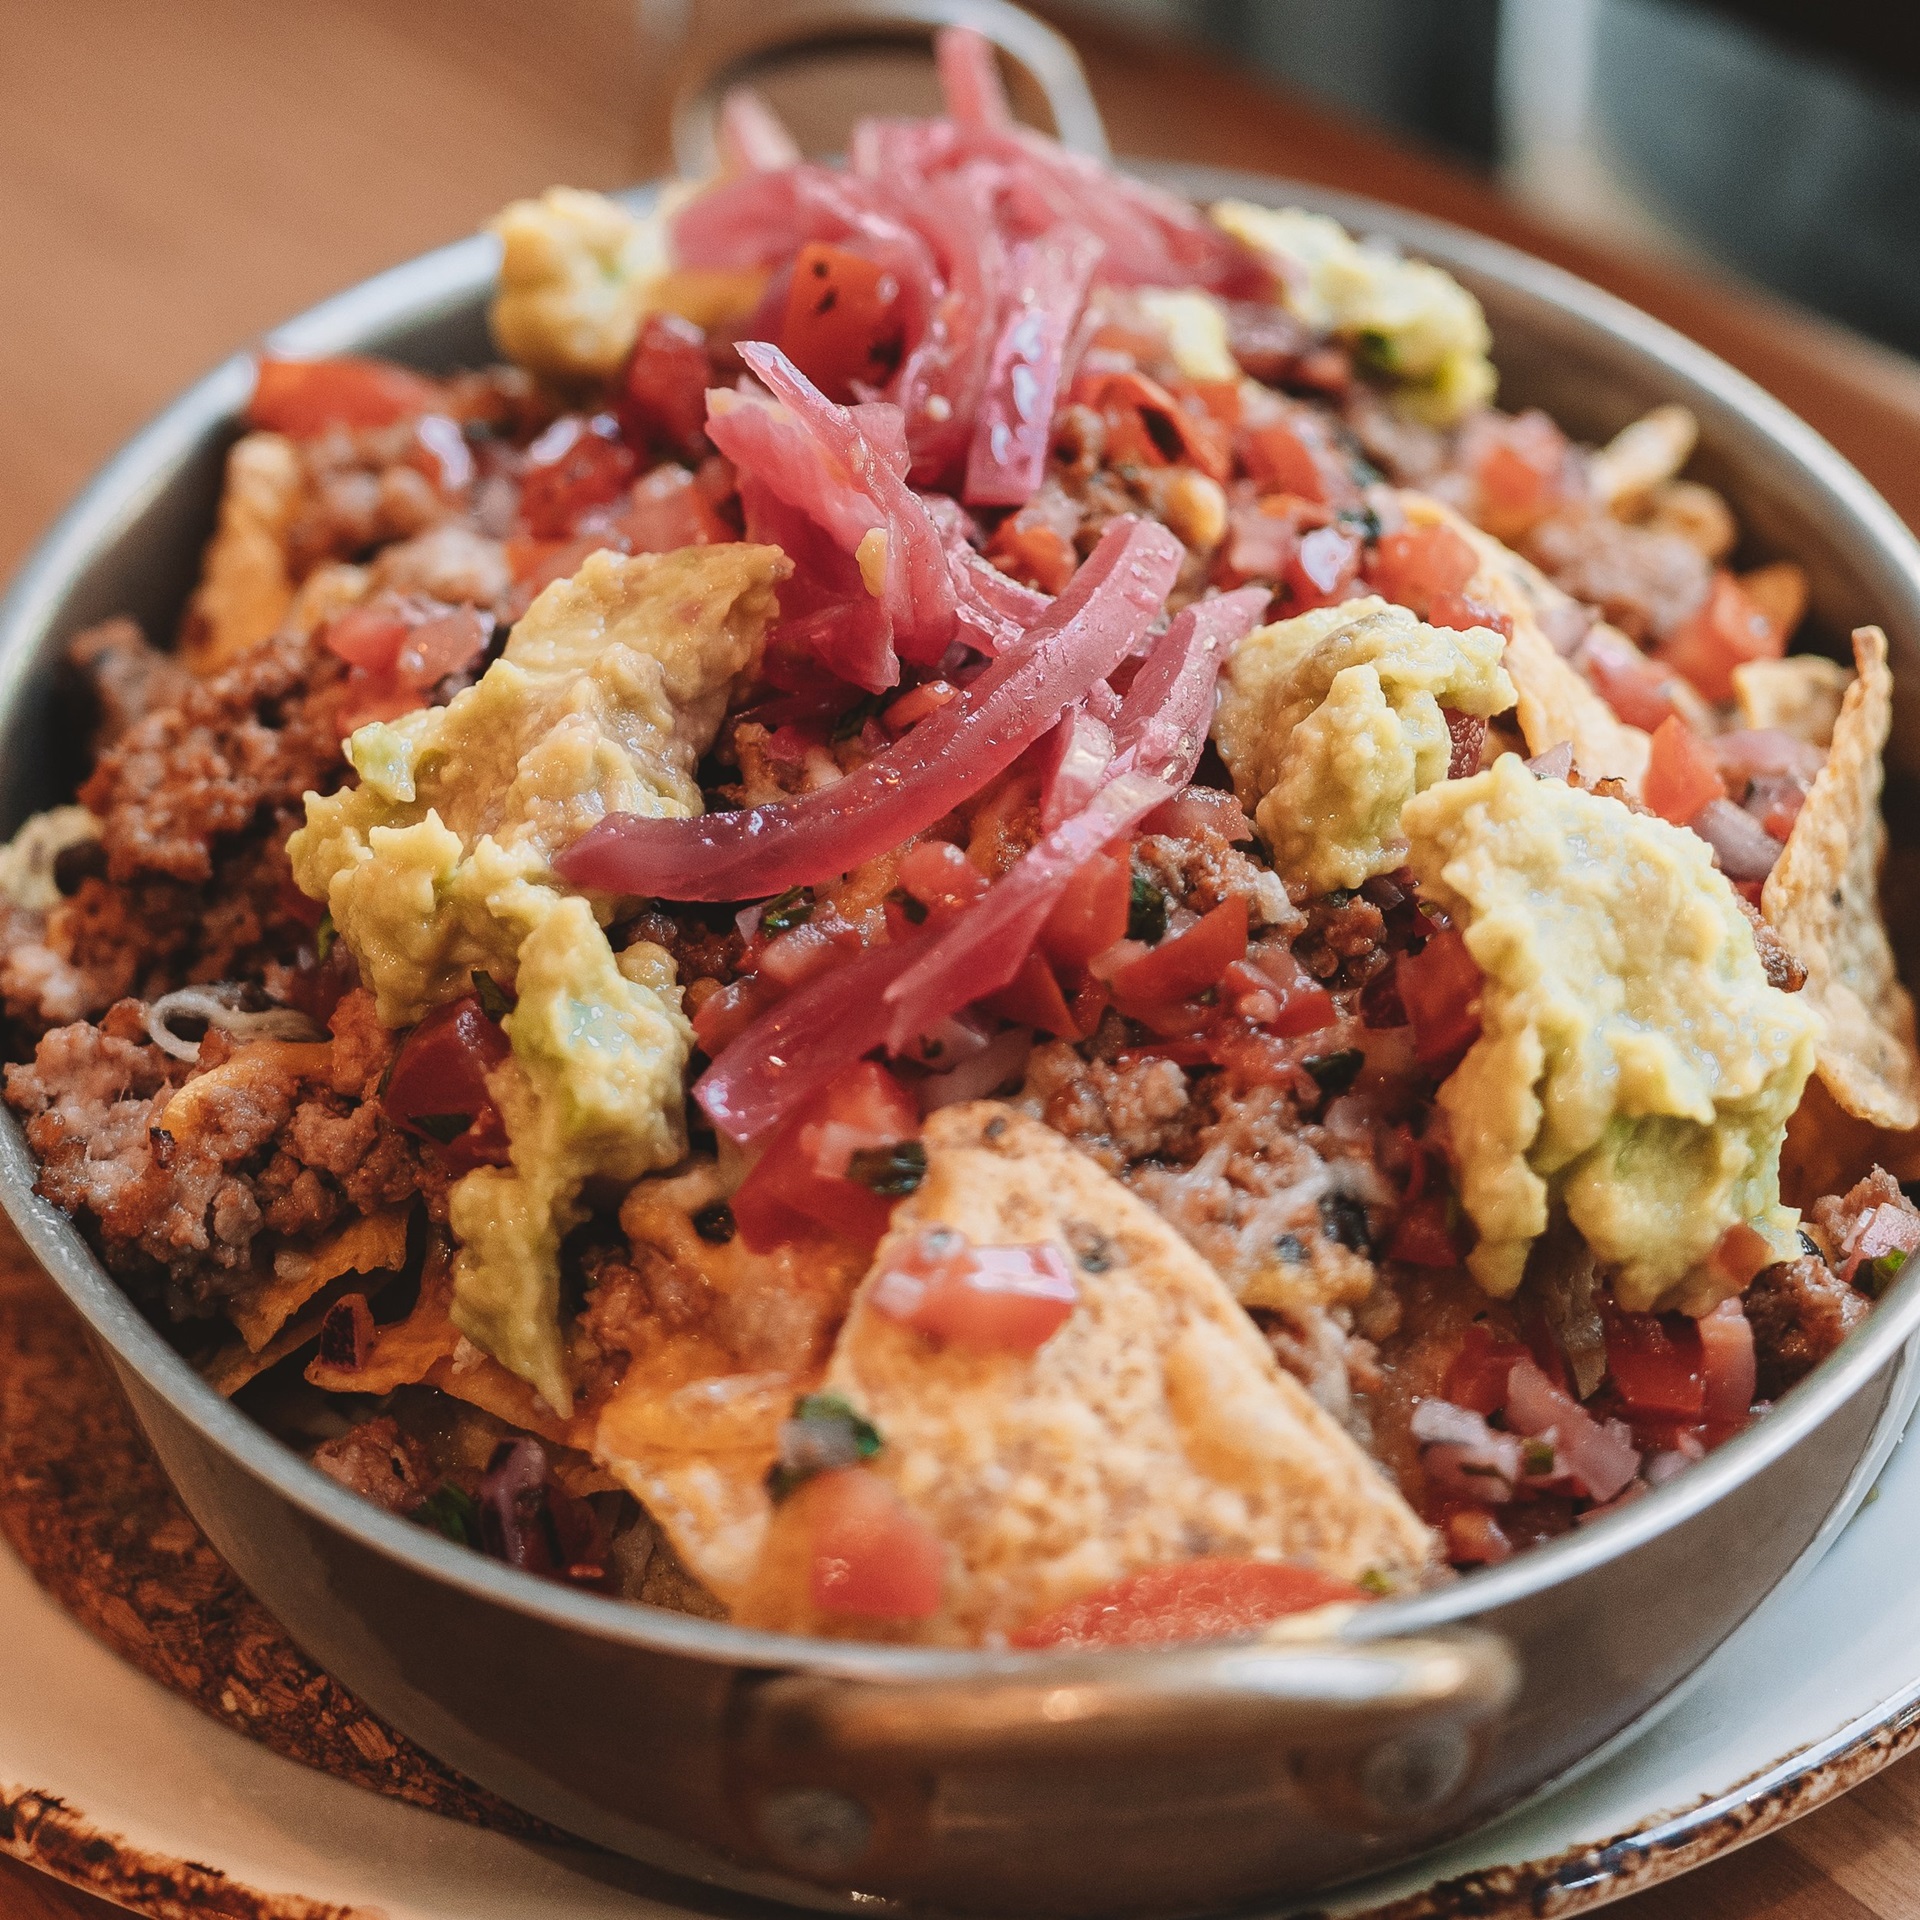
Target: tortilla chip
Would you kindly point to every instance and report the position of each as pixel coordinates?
(245, 586)
(368, 1243)
(1155, 1424)
(1822, 898)
(696, 1457)
(1555, 703)
(237, 1363)
(1800, 695)
(1827, 1149)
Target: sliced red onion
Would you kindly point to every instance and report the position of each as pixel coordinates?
(970, 80)
(1047, 285)
(1440, 1422)
(1076, 756)
(901, 791)
(753, 138)
(998, 1063)
(1744, 849)
(1754, 752)
(1600, 1459)
(1555, 764)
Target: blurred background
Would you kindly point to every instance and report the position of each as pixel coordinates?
(177, 178)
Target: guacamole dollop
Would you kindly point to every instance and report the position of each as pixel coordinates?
(1410, 321)
(440, 861)
(1633, 1064)
(1331, 722)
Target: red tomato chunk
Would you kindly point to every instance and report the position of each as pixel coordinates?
(1190, 962)
(1207, 1599)
(303, 398)
(872, 1556)
(438, 1086)
(981, 1299)
(1683, 773)
(843, 324)
(1440, 989)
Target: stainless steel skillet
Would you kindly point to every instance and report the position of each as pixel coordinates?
(979, 1782)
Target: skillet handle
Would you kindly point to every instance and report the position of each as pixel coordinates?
(781, 34)
(920, 1786)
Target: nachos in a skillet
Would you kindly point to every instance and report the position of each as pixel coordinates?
(977, 915)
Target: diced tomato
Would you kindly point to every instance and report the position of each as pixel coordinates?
(1477, 1377)
(1147, 425)
(1215, 1598)
(1092, 912)
(1189, 962)
(940, 876)
(915, 705)
(800, 1185)
(1324, 570)
(1412, 565)
(1475, 1539)
(1727, 1360)
(1740, 1253)
(1278, 460)
(1196, 810)
(1305, 1005)
(1031, 551)
(1521, 466)
(1639, 690)
(438, 1086)
(663, 398)
(669, 510)
(982, 1299)
(399, 648)
(1468, 734)
(1459, 612)
(1656, 1362)
(843, 322)
(535, 564)
(1424, 1234)
(794, 957)
(1032, 998)
(871, 1554)
(1440, 989)
(303, 398)
(1682, 773)
(1221, 398)
(1728, 631)
(577, 464)
(369, 635)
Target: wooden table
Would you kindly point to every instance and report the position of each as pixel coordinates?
(176, 178)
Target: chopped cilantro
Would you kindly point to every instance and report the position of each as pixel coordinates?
(1537, 1457)
(1344, 1219)
(1876, 1276)
(915, 910)
(1146, 911)
(824, 1433)
(1334, 1073)
(453, 1511)
(1290, 1250)
(324, 935)
(1375, 351)
(890, 1170)
(493, 997)
(794, 908)
(1375, 1582)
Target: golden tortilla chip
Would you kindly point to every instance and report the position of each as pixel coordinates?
(696, 1457)
(1823, 899)
(1827, 1150)
(237, 1363)
(1800, 695)
(1555, 703)
(245, 587)
(368, 1243)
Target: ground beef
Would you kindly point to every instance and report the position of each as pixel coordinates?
(1646, 583)
(378, 1461)
(1117, 1114)
(1800, 1312)
(232, 754)
(1201, 869)
(273, 1147)
(129, 678)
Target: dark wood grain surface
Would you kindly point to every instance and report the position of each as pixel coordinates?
(175, 178)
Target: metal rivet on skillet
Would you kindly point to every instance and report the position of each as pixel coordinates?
(1416, 1774)
(815, 1829)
